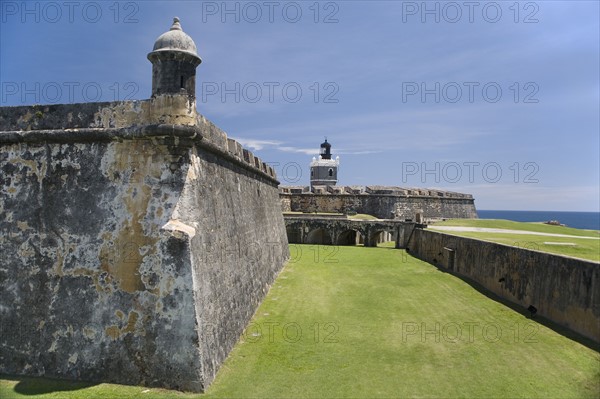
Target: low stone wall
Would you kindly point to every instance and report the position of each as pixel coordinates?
(381, 206)
(563, 289)
(131, 255)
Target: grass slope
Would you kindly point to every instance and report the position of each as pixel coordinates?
(375, 322)
(511, 225)
(584, 248)
(362, 216)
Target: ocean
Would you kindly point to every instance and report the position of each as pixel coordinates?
(578, 220)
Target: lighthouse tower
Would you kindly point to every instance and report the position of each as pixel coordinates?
(323, 171)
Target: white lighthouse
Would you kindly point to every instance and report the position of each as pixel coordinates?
(323, 171)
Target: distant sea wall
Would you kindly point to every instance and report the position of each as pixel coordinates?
(563, 289)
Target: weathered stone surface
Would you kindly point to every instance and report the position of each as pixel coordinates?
(132, 255)
(237, 252)
(563, 289)
(382, 205)
(164, 109)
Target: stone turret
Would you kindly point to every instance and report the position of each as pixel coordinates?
(174, 61)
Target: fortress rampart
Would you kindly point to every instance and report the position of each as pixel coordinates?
(381, 201)
(136, 242)
(562, 289)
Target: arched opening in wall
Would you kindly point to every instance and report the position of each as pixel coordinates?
(349, 237)
(330, 172)
(383, 238)
(293, 235)
(360, 240)
(318, 236)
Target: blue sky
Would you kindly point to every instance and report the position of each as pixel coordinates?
(496, 99)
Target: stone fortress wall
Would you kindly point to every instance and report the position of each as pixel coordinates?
(384, 202)
(561, 288)
(137, 241)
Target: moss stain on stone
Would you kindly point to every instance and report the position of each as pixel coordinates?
(113, 332)
(133, 243)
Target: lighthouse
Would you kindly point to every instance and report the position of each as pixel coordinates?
(323, 171)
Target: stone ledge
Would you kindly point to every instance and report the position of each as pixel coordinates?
(185, 135)
(86, 135)
(346, 194)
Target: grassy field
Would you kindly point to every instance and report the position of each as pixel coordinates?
(375, 322)
(312, 213)
(510, 225)
(34, 388)
(584, 248)
(362, 216)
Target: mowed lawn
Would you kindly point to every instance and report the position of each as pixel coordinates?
(584, 244)
(512, 225)
(374, 322)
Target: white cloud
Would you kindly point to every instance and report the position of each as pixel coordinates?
(257, 145)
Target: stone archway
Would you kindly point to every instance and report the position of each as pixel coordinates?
(349, 237)
(318, 236)
(381, 236)
(293, 234)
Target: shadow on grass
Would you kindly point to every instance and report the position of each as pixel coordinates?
(31, 386)
(559, 329)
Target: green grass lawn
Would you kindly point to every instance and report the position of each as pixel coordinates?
(34, 388)
(511, 225)
(362, 216)
(584, 248)
(312, 213)
(374, 322)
